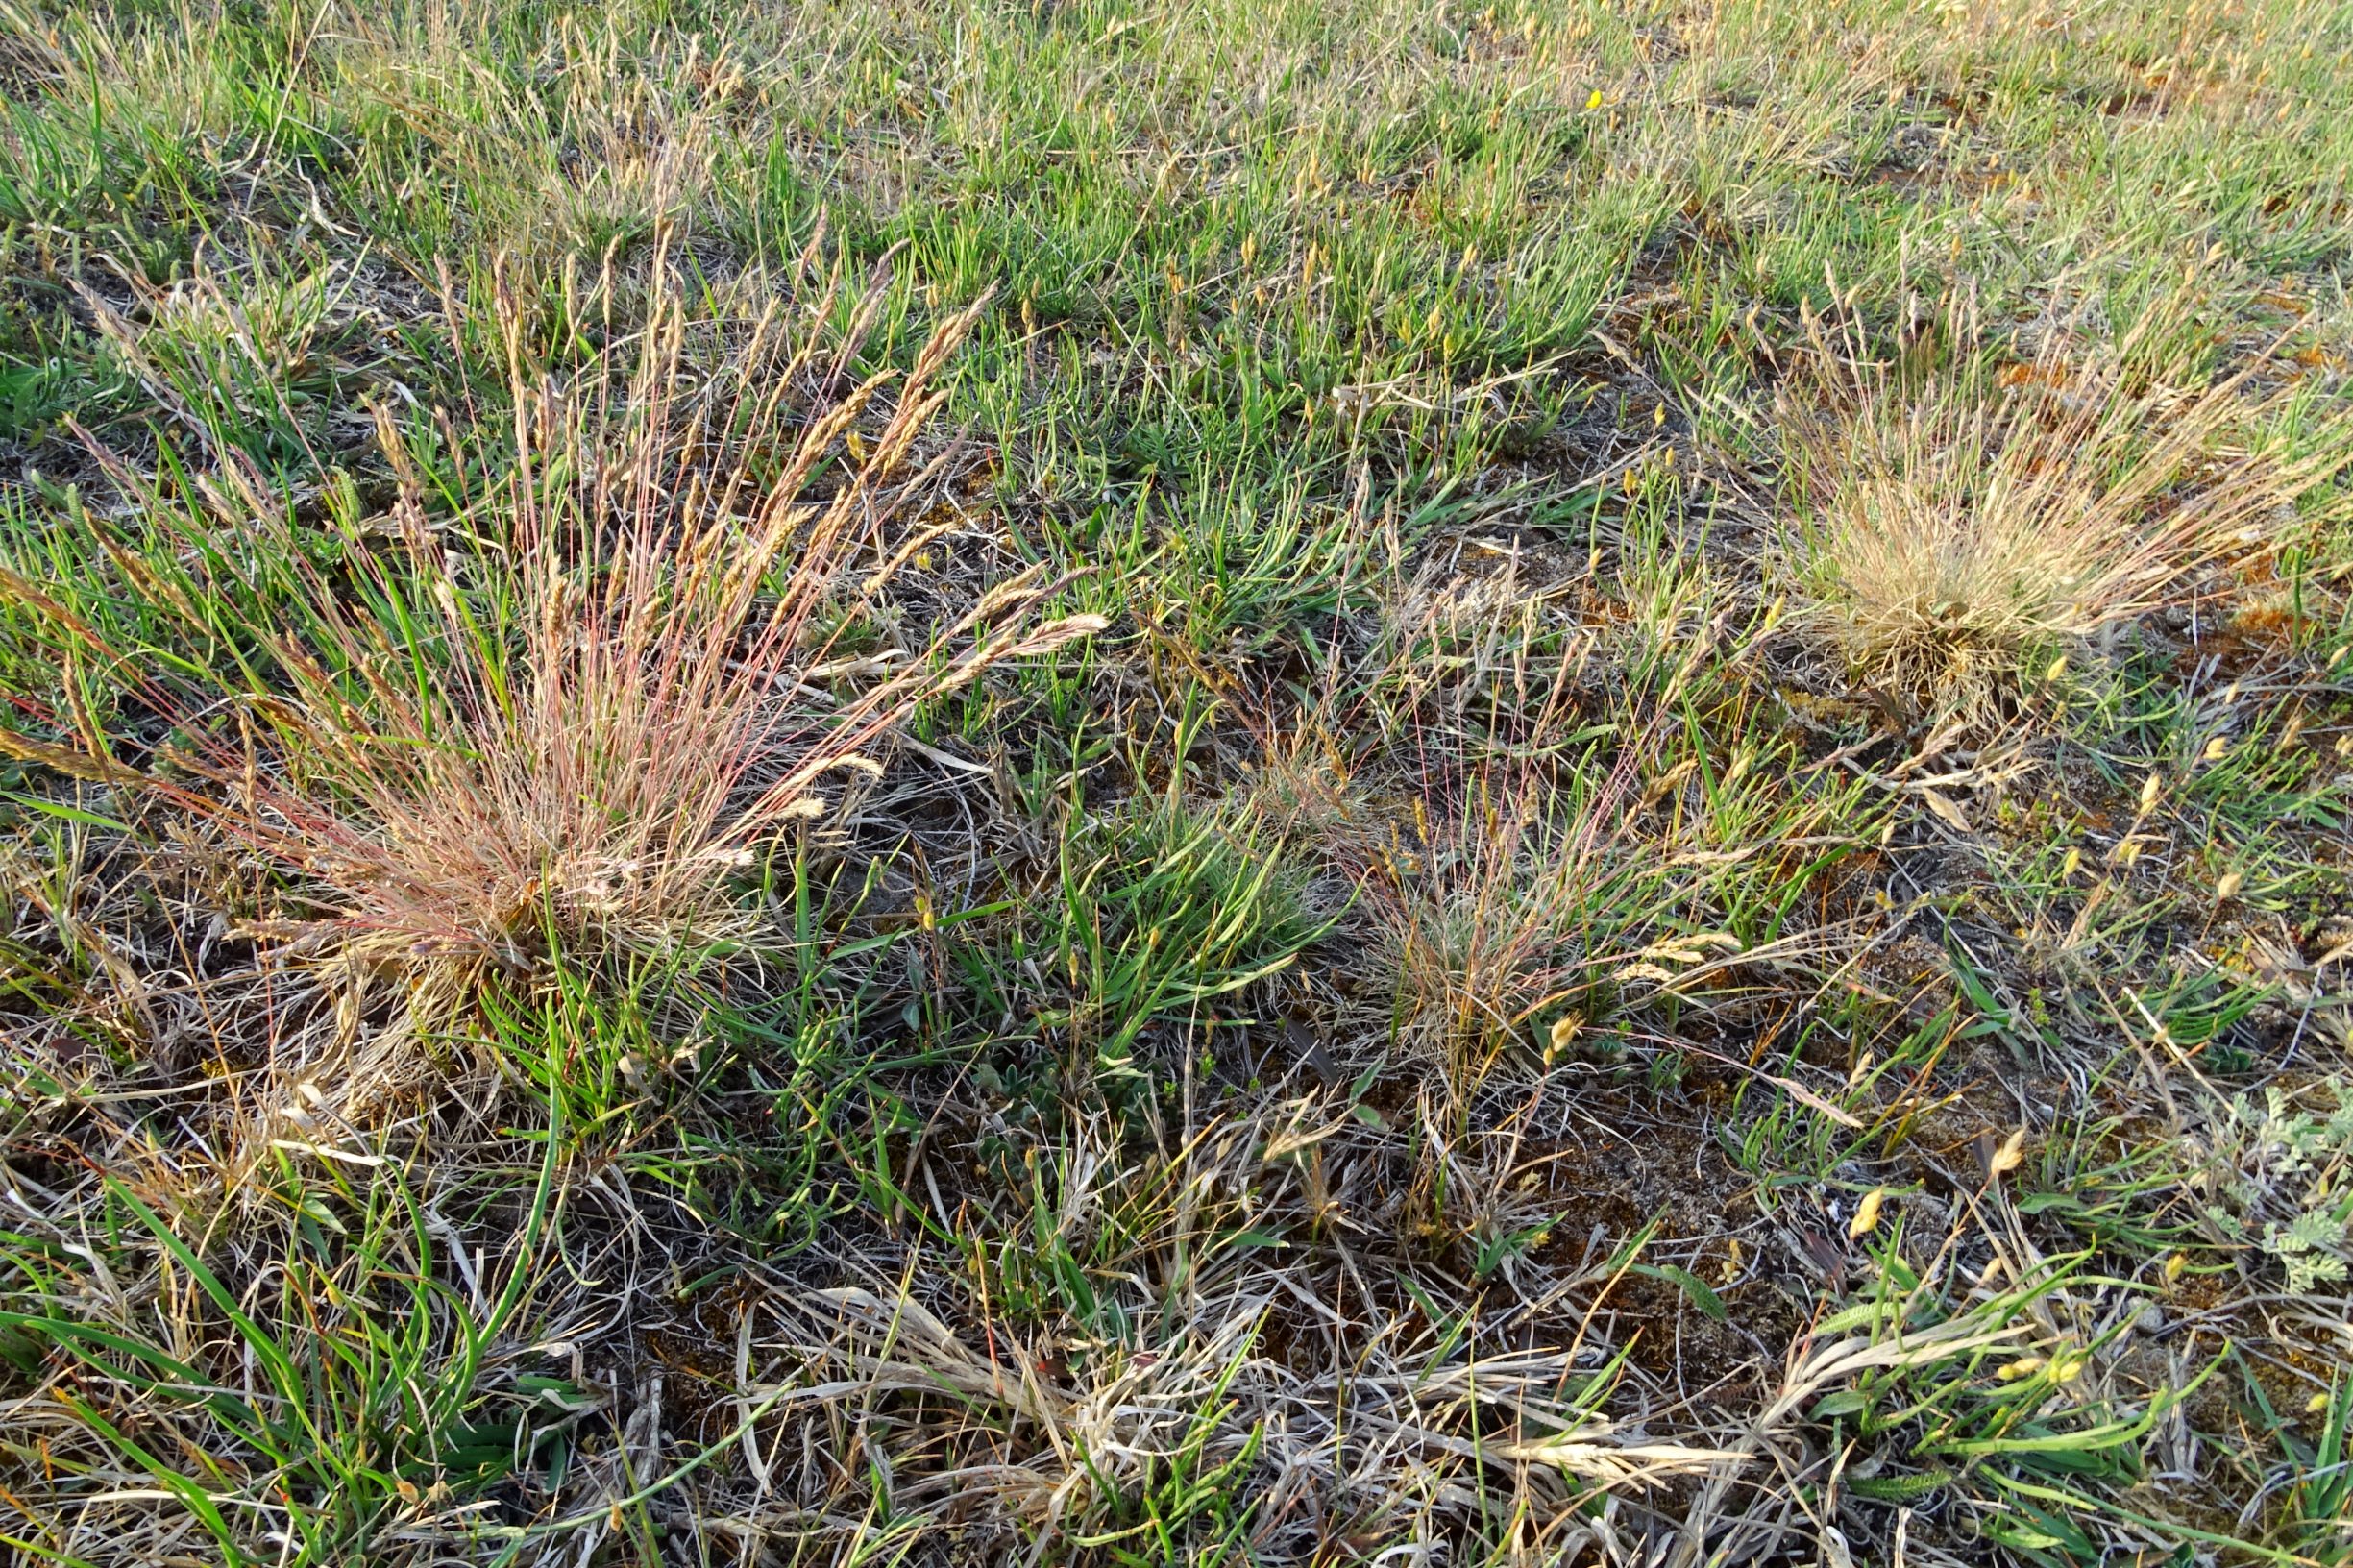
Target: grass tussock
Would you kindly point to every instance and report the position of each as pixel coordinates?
(1960, 515)
(579, 734)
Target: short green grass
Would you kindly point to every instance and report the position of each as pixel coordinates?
(1475, 1018)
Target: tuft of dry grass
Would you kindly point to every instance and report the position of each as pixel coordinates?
(1500, 860)
(1956, 519)
(566, 717)
(1491, 915)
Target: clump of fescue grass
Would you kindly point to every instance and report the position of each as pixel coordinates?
(1474, 858)
(1545, 842)
(1958, 518)
(564, 715)
(1502, 870)
(1503, 909)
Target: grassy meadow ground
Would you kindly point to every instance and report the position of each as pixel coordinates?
(1266, 781)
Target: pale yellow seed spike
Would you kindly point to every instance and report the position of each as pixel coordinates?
(2011, 1154)
(1867, 1213)
(2216, 748)
(2228, 887)
(2148, 792)
(1658, 415)
(2072, 864)
(2174, 1265)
